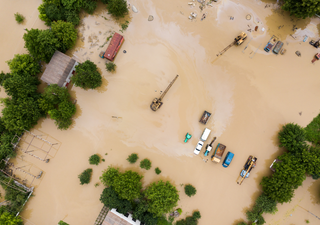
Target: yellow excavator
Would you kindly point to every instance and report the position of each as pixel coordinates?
(237, 41)
(157, 102)
(250, 164)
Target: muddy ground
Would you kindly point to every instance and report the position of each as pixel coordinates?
(249, 92)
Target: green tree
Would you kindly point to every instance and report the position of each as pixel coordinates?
(19, 18)
(289, 175)
(145, 164)
(292, 137)
(62, 223)
(87, 76)
(117, 8)
(190, 190)
(302, 9)
(111, 199)
(311, 160)
(109, 175)
(66, 34)
(85, 176)
(157, 170)
(9, 219)
(21, 86)
(162, 197)
(313, 131)
(56, 103)
(132, 158)
(24, 65)
(265, 205)
(94, 159)
(20, 114)
(110, 66)
(41, 44)
(128, 185)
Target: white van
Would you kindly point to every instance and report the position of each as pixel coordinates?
(205, 134)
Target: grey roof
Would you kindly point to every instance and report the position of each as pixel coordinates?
(58, 69)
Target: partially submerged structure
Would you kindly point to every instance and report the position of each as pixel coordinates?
(59, 70)
(115, 218)
(113, 47)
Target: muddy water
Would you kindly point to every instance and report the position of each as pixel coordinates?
(250, 95)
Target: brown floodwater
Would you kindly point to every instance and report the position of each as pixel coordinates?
(249, 92)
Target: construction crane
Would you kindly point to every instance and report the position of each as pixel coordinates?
(157, 102)
(237, 41)
(251, 163)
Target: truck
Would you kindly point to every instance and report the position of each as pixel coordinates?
(248, 166)
(273, 40)
(205, 117)
(205, 134)
(218, 153)
(209, 147)
(277, 48)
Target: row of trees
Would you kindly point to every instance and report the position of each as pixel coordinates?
(291, 169)
(302, 9)
(124, 192)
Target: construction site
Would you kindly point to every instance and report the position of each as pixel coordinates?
(175, 77)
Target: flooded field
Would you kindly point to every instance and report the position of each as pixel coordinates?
(249, 92)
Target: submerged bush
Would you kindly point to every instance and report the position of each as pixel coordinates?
(19, 17)
(85, 176)
(133, 158)
(94, 159)
(110, 67)
(190, 190)
(158, 171)
(145, 164)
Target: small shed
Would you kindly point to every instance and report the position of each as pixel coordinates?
(114, 46)
(59, 70)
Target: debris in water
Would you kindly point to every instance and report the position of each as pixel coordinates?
(298, 53)
(231, 18)
(150, 18)
(305, 38)
(283, 51)
(256, 28)
(181, 13)
(134, 9)
(97, 23)
(300, 113)
(124, 51)
(292, 36)
(248, 17)
(203, 16)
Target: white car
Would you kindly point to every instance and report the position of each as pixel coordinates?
(198, 148)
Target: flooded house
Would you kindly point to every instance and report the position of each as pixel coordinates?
(59, 70)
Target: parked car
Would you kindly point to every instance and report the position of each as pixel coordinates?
(205, 134)
(228, 159)
(198, 148)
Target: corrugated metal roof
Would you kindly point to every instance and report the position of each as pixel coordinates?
(58, 69)
(113, 46)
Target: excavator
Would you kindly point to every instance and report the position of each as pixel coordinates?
(157, 102)
(250, 164)
(237, 41)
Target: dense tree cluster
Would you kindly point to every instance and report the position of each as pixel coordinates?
(302, 8)
(42, 44)
(117, 8)
(55, 101)
(65, 10)
(190, 220)
(124, 192)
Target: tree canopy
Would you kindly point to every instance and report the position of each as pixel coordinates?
(24, 65)
(87, 76)
(117, 8)
(162, 197)
(302, 8)
(65, 33)
(111, 199)
(292, 137)
(9, 219)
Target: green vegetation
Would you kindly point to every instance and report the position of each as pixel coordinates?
(110, 66)
(292, 137)
(190, 190)
(94, 159)
(62, 223)
(117, 8)
(55, 101)
(313, 130)
(307, 221)
(66, 10)
(7, 218)
(124, 26)
(145, 164)
(65, 33)
(19, 18)
(103, 160)
(85, 176)
(132, 158)
(157, 170)
(124, 192)
(302, 9)
(190, 220)
(87, 76)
